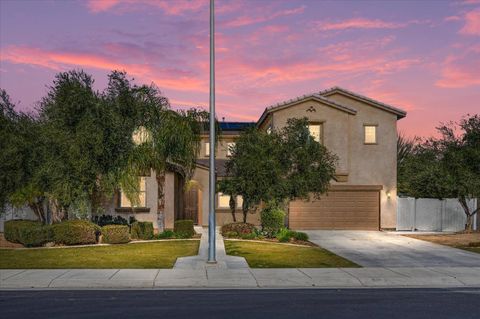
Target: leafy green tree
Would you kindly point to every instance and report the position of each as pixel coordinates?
(22, 154)
(8, 157)
(278, 166)
(448, 166)
(80, 148)
(405, 147)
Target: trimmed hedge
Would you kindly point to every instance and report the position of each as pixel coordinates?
(273, 220)
(75, 232)
(239, 228)
(142, 230)
(104, 220)
(28, 233)
(284, 235)
(183, 228)
(115, 234)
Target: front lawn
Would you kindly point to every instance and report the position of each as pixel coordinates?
(466, 241)
(473, 249)
(273, 255)
(141, 255)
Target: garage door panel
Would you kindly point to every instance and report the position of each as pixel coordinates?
(337, 210)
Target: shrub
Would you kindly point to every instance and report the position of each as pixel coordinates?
(239, 228)
(27, 233)
(230, 234)
(183, 228)
(248, 236)
(115, 234)
(272, 220)
(75, 232)
(142, 230)
(165, 234)
(298, 235)
(109, 220)
(284, 235)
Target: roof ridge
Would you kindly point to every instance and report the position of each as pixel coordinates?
(364, 97)
(304, 96)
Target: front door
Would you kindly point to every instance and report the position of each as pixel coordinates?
(191, 204)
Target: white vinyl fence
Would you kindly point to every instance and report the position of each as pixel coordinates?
(428, 214)
(16, 213)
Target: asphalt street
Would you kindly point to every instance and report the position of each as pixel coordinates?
(250, 304)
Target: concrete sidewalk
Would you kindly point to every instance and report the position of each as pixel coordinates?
(215, 277)
(199, 262)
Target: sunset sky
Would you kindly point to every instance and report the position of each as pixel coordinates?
(423, 57)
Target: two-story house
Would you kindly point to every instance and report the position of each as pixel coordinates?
(361, 131)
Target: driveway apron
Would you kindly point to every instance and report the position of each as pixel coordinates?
(381, 249)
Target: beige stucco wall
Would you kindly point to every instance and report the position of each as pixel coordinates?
(222, 146)
(150, 202)
(223, 216)
(344, 136)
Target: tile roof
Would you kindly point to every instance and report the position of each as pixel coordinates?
(323, 97)
(401, 113)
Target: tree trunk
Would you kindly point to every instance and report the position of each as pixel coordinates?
(161, 200)
(232, 205)
(469, 223)
(58, 211)
(37, 208)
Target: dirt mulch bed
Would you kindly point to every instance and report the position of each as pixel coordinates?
(454, 240)
(293, 242)
(6, 244)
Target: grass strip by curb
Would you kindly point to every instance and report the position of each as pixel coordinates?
(139, 256)
(279, 255)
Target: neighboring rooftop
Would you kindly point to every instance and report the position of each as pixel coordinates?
(235, 126)
(231, 128)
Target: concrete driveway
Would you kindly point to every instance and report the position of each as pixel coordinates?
(381, 249)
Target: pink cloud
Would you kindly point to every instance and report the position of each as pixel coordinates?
(461, 70)
(59, 61)
(169, 7)
(361, 23)
(101, 5)
(472, 23)
(452, 18)
(250, 18)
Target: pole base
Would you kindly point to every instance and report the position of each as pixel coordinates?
(211, 262)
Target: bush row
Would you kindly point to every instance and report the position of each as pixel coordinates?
(273, 226)
(82, 232)
(27, 233)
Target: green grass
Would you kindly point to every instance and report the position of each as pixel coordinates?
(268, 255)
(472, 249)
(142, 255)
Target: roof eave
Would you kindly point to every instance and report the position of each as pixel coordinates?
(388, 108)
(314, 97)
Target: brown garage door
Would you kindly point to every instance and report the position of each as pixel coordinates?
(342, 208)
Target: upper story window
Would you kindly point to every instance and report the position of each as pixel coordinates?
(370, 134)
(140, 135)
(125, 202)
(316, 131)
(207, 149)
(230, 146)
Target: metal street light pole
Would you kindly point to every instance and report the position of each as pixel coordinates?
(211, 188)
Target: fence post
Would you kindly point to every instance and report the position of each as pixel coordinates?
(442, 213)
(475, 205)
(414, 224)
